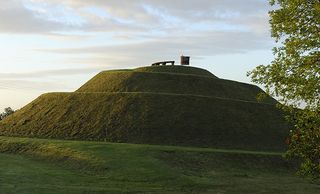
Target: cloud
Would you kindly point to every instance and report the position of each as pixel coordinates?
(167, 29)
(142, 31)
(203, 44)
(103, 34)
(50, 73)
(15, 18)
(178, 14)
(49, 80)
(135, 16)
(197, 9)
(30, 17)
(21, 84)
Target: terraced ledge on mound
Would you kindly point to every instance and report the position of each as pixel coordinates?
(166, 105)
(168, 94)
(131, 81)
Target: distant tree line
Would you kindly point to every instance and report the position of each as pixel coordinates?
(7, 111)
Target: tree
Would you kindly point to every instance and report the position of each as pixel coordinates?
(7, 111)
(294, 76)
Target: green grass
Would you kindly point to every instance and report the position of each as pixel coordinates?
(167, 105)
(98, 167)
(153, 79)
(151, 119)
(177, 69)
(233, 143)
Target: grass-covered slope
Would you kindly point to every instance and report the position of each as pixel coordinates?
(168, 105)
(150, 118)
(153, 79)
(55, 166)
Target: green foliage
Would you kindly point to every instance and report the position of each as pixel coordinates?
(37, 166)
(7, 111)
(304, 141)
(168, 108)
(294, 75)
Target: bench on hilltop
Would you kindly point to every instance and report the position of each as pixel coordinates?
(162, 63)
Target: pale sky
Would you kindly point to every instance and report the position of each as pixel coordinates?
(57, 45)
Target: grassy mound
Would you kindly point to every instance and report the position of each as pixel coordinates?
(170, 105)
(131, 81)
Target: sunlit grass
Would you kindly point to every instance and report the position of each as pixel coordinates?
(51, 166)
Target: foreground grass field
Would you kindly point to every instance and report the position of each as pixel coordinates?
(54, 166)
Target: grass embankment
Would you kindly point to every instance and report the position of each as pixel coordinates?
(151, 119)
(168, 105)
(56, 166)
(174, 83)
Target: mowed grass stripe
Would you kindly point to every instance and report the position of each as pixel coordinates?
(155, 147)
(161, 73)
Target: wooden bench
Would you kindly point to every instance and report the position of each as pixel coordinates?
(162, 63)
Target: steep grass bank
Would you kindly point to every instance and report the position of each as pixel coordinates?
(151, 118)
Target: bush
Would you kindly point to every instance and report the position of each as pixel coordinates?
(7, 111)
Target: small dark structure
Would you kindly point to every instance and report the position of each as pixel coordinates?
(162, 63)
(184, 60)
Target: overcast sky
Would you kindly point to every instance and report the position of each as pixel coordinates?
(57, 45)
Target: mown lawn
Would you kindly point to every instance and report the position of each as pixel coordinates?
(54, 166)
